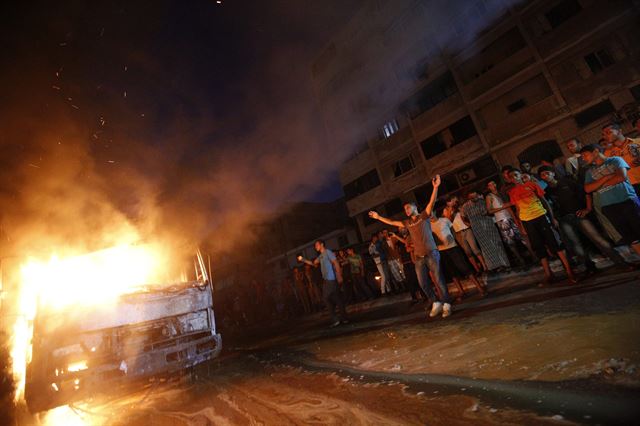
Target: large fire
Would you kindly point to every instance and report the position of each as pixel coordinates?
(61, 283)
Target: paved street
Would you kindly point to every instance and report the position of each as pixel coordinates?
(524, 355)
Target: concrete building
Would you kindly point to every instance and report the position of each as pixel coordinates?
(461, 88)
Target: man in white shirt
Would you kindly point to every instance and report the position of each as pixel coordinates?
(453, 258)
(464, 235)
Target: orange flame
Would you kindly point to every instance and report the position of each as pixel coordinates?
(93, 279)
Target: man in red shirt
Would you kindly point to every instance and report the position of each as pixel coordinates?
(532, 208)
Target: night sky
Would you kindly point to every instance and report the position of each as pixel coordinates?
(143, 106)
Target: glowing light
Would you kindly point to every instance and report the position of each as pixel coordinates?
(64, 415)
(55, 387)
(378, 277)
(89, 280)
(77, 366)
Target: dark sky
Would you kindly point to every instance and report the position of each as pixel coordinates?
(140, 65)
(146, 109)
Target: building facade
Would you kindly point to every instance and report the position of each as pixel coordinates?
(461, 91)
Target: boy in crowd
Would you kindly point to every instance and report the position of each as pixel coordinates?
(362, 290)
(464, 235)
(572, 208)
(532, 209)
(627, 148)
(453, 258)
(377, 253)
(427, 257)
(607, 178)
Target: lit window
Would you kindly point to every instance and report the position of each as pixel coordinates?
(390, 128)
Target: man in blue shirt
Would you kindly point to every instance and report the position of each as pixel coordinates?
(332, 276)
(607, 177)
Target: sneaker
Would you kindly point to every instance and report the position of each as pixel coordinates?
(335, 324)
(446, 310)
(436, 309)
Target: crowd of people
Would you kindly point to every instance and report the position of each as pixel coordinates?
(575, 210)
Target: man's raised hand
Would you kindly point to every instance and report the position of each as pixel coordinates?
(436, 181)
(374, 215)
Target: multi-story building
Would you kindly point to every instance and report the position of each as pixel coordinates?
(462, 89)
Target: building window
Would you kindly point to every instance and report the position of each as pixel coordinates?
(458, 132)
(597, 61)
(394, 207)
(562, 12)
(431, 95)
(462, 130)
(361, 185)
(517, 105)
(389, 128)
(594, 113)
(403, 166)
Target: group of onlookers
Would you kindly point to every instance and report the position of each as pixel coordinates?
(574, 211)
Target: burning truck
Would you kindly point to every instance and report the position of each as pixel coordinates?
(94, 325)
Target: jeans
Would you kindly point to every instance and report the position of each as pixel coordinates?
(571, 225)
(431, 263)
(385, 276)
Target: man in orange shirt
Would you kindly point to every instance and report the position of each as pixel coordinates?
(532, 208)
(627, 148)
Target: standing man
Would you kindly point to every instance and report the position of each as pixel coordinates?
(572, 209)
(608, 178)
(332, 276)
(427, 257)
(360, 285)
(532, 209)
(575, 166)
(376, 252)
(394, 259)
(626, 148)
(464, 235)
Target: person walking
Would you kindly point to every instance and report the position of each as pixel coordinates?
(427, 257)
(332, 276)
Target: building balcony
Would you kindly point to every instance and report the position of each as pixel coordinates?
(595, 15)
(357, 166)
(367, 201)
(500, 73)
(436, 118)
(456, 156)
(390, 147)
(521, 121)
(407, 181)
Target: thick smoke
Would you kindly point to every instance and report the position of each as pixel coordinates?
(97, 142)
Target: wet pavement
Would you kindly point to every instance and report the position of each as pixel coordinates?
(524, 355)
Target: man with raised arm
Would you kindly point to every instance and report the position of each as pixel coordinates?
(427, 257)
